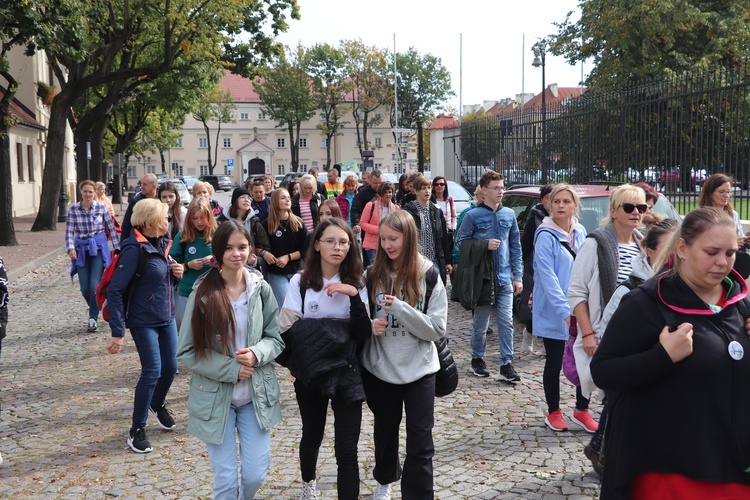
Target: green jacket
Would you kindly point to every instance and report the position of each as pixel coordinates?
(184, 253)
(213, 377)
(476, 275)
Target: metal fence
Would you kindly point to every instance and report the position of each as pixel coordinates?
(671, 132)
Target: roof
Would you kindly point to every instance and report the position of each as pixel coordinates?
(240, 88)
(442, 122)
(25, 115)
(583, 190)
(535, 103)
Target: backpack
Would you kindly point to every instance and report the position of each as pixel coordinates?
(103, 287)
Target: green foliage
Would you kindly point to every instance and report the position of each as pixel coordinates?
(215, 106)
(636, 39)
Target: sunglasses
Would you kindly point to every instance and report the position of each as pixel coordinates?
(440, 184)
(629, 207)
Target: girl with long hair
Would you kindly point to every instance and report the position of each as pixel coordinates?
(229, 343)
(284, 243)
(400, 359)
(192, 249)
(717, 192)
(445, 202)
(167, 193)
(331, 285)
(328, 209)
(371, 215)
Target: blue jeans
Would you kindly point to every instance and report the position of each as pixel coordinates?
(504, 317)
(88, 277)
(157, 348)
(255, 456)
(370, 254)
(279, 284)
(179, 310)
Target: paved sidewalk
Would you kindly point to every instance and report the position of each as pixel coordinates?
(66, 411)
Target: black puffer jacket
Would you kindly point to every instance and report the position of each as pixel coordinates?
(688, 418)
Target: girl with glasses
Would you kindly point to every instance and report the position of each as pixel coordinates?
(330, 286)
(717, 193)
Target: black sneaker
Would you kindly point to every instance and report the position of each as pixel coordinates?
(508, 374)
(479, 367)
(164, 417)
(138, 441)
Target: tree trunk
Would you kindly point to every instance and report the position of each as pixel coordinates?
(53, 165)
(7, 230)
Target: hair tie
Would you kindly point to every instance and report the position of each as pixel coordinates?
(214, 263)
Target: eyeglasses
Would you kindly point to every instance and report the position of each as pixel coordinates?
(331, 244)
(497, 188)
(629, 207)
(724, 192)
(439, 184)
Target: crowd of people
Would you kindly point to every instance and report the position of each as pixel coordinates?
(339, 284)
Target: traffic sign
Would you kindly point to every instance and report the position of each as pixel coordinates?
(230, 162)
(402, 130)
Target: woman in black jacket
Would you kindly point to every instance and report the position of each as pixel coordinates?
(675, 362)
(331, 285)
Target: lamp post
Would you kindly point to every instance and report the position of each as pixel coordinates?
(540, 53)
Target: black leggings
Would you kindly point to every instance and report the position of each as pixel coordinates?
(551, 377)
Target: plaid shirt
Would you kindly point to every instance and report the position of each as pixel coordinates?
(88, 223)
(426, 241)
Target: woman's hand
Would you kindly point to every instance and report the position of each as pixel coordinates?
(245, 372)
(379, 326)
(246, 356)
(590, 344)
(251, 259)
(115, 344)
(679, 343)
(73, 255)
(269, 258)
(177, 269)
(283, 261)
(741, 241)
(197, 264)
(332, 288)
(448, 269)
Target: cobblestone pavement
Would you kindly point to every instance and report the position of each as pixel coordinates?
(67, 403)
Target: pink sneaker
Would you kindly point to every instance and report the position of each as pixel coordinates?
(583, 418)
(556, 422)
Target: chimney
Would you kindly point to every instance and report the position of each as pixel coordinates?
(553, 88)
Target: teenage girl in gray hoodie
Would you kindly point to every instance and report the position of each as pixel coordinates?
(400, 360)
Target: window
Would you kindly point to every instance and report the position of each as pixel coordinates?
(324, 142)
(30, 162)
(303, 167)
(204, 169)
(262, 116)
(202, 142)
(177, 169)
(281, 143)
(281, 169)
(19, 160)
(227, 142)
(303, 143)
(132, 174)
(227, 170)
(244, 116)
(378, 166)
(378, 142)
(179, 142)
(150, 169)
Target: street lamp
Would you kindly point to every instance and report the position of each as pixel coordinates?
(540, 53)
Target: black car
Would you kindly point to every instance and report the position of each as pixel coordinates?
(219, 182)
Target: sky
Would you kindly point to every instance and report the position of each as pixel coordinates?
(492, 31)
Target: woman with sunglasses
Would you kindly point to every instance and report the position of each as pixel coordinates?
(330, 286)
(445, 202)
(717, 193)
(604, 261)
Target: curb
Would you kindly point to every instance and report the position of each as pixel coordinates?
(34, 264)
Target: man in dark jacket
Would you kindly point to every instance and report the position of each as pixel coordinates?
(148, 190)
(430, 226)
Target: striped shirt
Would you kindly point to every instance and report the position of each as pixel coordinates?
(627, 253)
(86, 224)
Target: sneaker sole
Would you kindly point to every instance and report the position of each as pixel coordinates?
(579, 423)
(152, 413)
(480, 374)
(546, 421)
(132, 447)
(503, 378)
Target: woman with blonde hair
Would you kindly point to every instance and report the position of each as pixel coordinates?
(206, 190)
(305, 204)
(604, 261)
(283, 245)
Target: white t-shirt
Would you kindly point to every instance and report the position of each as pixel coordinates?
(242, 392)
(319, 304)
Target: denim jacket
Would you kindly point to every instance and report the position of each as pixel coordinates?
(483, 223)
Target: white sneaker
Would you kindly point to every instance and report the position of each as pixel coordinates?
(528, 342)
(92, 325)
(382, 492)
(1, 459)
(308, 491)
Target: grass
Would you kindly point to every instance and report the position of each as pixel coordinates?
(684, 206)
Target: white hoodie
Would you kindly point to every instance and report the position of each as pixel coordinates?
(406, 351)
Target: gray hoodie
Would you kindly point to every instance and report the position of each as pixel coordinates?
(406, 351)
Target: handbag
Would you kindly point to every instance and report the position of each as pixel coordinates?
(446, 379)
(569, 360)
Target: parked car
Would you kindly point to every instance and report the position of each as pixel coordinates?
(594, 204)
(185, 196)
(470, 175)
(461, 197)
(219, 182)
(189, 180)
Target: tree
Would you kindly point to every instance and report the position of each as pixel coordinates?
(326, 66)
(632, 40)
(18, 26)
(285, 91)
(123, 44)
(216, 106)
(368, 69)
